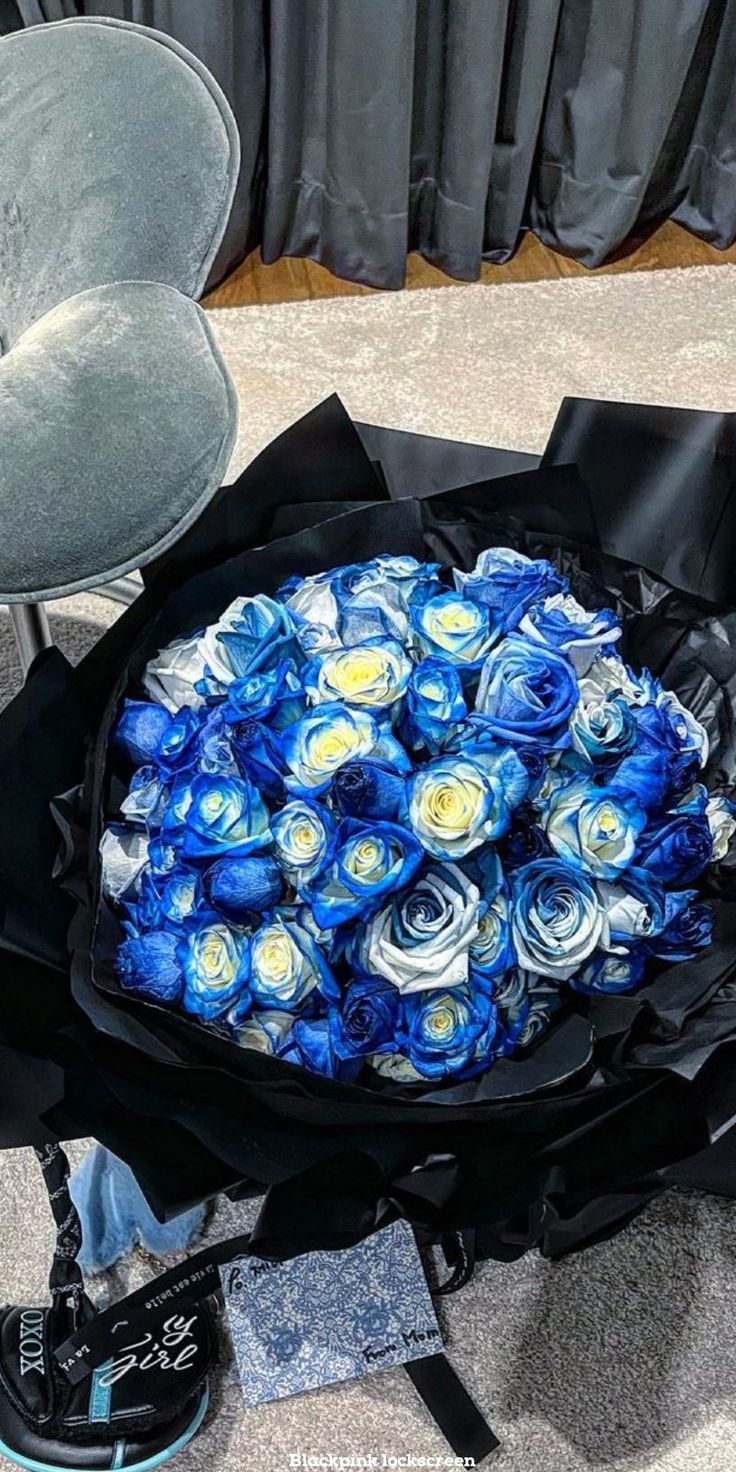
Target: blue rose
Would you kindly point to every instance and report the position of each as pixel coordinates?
(527, 693)
(457, 803)
(303, 838)
(146, 798)
(259, 754)
(636, 907)
(149, 965)
(180, 896)
(688, 928)
(452, 627)
(224, 815)
(252, 635)
(214, 745)
(448, 1031)
(579, 633)
(434, 703)
(509, 582)
(678, 847)
(286, 965)
(370, 788)
(422, 938)
(139, 730)
(274, 695)
(558, 920)
(310, 1045)
(669, 732)
(262, 1032)
(524, 840)
(594, 827)
(367, 1018)
(216, 966)
(237, 888)
(323, 741)
(492, 952)
(603, 731)
(371, 676)
(370, 861)
(610, 974)
(511, 995)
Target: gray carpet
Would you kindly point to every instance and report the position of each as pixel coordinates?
(623, 1357)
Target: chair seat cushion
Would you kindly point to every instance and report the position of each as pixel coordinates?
(117, 419)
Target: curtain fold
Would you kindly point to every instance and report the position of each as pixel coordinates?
(373, 127)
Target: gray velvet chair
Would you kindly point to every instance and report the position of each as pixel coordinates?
(119, 157)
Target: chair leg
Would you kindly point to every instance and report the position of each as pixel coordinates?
(120, 590)
(31, 630)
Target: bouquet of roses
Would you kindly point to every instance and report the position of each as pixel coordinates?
(389, 868)
(389, 818)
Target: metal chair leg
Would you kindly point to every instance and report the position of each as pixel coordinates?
(31, 630)
(120, 590)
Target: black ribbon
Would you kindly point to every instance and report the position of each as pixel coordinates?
(454, 1410)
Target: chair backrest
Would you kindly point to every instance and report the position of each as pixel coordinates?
(119, 157)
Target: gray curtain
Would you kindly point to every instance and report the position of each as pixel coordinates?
(373, 127)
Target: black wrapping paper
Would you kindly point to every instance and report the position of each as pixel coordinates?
(555, 1149)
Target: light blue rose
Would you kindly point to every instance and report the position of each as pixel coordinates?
(215, 961)
(371, 676)
(558, 919)
(275, 695)
(492, 952)
(264, 1032)
(224, 815)
(433, 705)
(577, 632)
(456, 803)
(527, 693)
(594, 827)
(287, 965)
(509, 582)
(323, 741)
(452, 627)
(603, 731)
(146, 798)
(370, 860)
(303, 838)
(254, 634)
(421, 940)
(610, 974)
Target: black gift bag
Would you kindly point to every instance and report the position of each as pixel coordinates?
(621, 1098)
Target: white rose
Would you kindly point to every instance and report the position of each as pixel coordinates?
(422, 940)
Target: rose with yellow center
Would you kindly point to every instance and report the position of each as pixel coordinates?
(594, 828)
(453, 806)
(302, 835)
(455, 627)
(286, 965)
(216, 966)
(316, 746)
(372, 674)
(450, 1031)
(370, 860)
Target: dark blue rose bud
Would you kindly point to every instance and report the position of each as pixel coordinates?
(367, 1020)
(259, 755)
(689, 930)
(677, 849)
(148, 964)
(525, 840)
(370, 789)
(238, 887)
(141, 727)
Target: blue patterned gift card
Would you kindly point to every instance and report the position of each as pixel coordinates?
(328, 1316)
